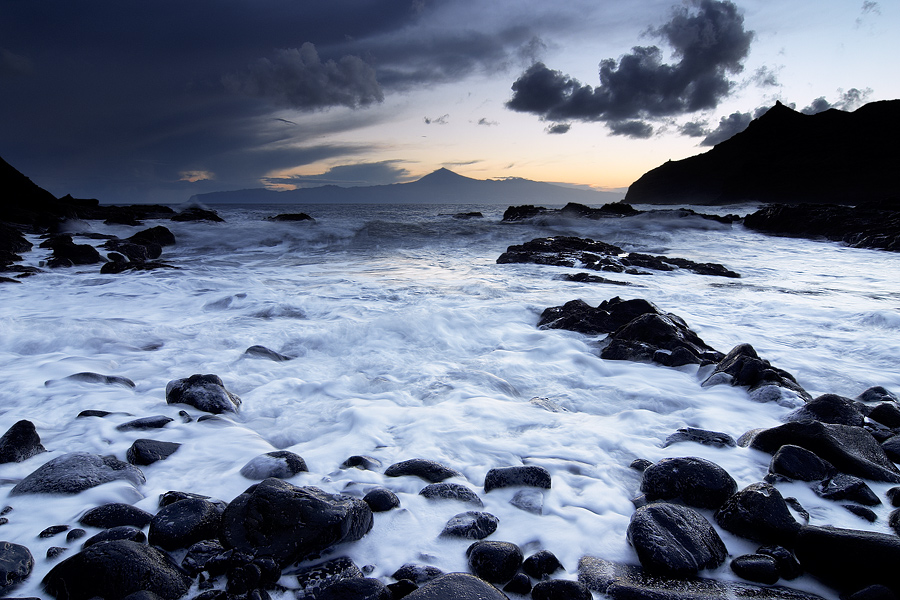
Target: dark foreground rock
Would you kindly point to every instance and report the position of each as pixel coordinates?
(471, 525)
(628, 582)
(115, 569)
(528, 475)
(292, 217)
(496, 562)
(451, 491)
(16, 564)
(674, 540)
(560, 589)
(75, 472)
(609, 315)
(850, 560)
(694, 481)
(593, 255)
(115, 514)
(851, 450)
(146, 452)
(461, 586)
(204, 392)
(429, 470)
(759, 512)
(20, 442)
(282, 464)
(743, 367)
(184, 523)
(705, 437)
(290, 523)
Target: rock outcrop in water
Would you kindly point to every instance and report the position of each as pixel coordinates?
(788, 157)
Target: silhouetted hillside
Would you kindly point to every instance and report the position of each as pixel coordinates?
(788, 157)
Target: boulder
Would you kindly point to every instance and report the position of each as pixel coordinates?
(847, 487)
(16, 563)
(877, 394)
(184, 523)
(759, 568)
(115, 514)
(886, 413)
(743, 367)
(279, 463)
(560, 589)
(674, 540)
(758, 512)
(381, 500)
(849, 560)
(147, 452)
(715, 439)
(609, 315)
(471, 525)
(292, 217)
(115, 569)
(154, 422)
(311, 581)
(694, 481)
(529, 476)
(204, 392)
(418, 574)
(829, 408)
(159, 235)
(519, 584)
(851, 450)
(199, 555)
(75, 472)
(263, 352)
(496, 562)
(122, 532)
(665, 339)
(195, 213)
(891, 447)
(451, 491)
(357, 588)
(795, 462)
(429, 470)
(461, 586)
(542, 564)
(290, 523)
(67, 253)
(20, 442)
(364, 463)
(785, 561)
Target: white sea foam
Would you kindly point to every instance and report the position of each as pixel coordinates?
(410, 341)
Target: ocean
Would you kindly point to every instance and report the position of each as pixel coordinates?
(410, 341)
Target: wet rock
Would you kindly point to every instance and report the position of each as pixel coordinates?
(98, 378)
(365, 463)
(75, 535)
(471, 525)
(55, 552)
(520, 213)
(123, 532)
(16, 563)
(496, 562)
(674, 540)
(155, 422)
(862, 512)
(292, 217)
(290, 523)
(743, 367)
(457, 585)
(609, 315)
(894, 521)
(359, 588)
(204, 392)
(785, 561)
(758, 512)
(146, 452)
(75, 472)
(312, 580)
(173, 496)
(279, 463)
(417, 573)
(878, 394)
(893, 496)
(184, 523)
(114, 515)
(560, 589)
(852, 450)
(695, 481)
(195, 213)
(529, 476)
(451, 491)
(847, 487)
(829, 408)
(53, 530)
(115, 569)
(891, 447)
(530, 500)
(799, 463)
(542, 564)
(588, 278)
(849, 560)
(429, 470)
(664, 339)
(886, 413)
(758, 568)
(67, 253)
(158, 235)
(519, 584)
(263, 352)
(873, 592)
(199, 554)
(20, 442)
(381, 500)
(715, 439)
(640, 464)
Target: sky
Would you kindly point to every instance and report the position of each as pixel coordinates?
(157, 101)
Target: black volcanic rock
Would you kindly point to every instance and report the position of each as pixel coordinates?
(664, 339)
(675, 540)
(785, 156)
(195, 213)
(829, 408)
(429, 470)
(695, 481)
(205, 392)
(609, 315)
(743, 367)
(75, 472)
(849, 560)
(291, 217)
(20, 442)
(758, 512)
(585, 253)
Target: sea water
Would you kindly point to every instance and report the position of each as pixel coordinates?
(410, 341)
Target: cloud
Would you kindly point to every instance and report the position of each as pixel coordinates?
(195, 176)
(710, 44)
(632, 129)
(765, 77)
(486, 122)
(729, 126)
(297, 78)
(849, 101)
(559, 128)
(441, 120)
(694, 129)
(868, 8)
(359, 174)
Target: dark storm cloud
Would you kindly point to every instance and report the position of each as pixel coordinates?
(729, 126)
(694, 129)
(297, 78)
(632, 129)
(559, 128)
(710, 44)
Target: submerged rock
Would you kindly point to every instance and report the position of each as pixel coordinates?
(700, 436)
(16, 563)
(674, 540)
(743, 367)
(495, 562)
(429, 470)
(695, 481)
(795, 462)
(292, 217)
(471, 525)
(204, 392)
(451, 491)
(279, 463)
(457, 585)
(263, 352)
(758, 512)
(75, 472)
(527, 476)
(146, 452)
(20, 442)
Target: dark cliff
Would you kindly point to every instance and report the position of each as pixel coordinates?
(784, 156)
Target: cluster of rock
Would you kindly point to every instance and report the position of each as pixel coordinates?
(834, 443)
(573, 210)
(585, 253)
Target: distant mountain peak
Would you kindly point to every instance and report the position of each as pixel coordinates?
(443, 176)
